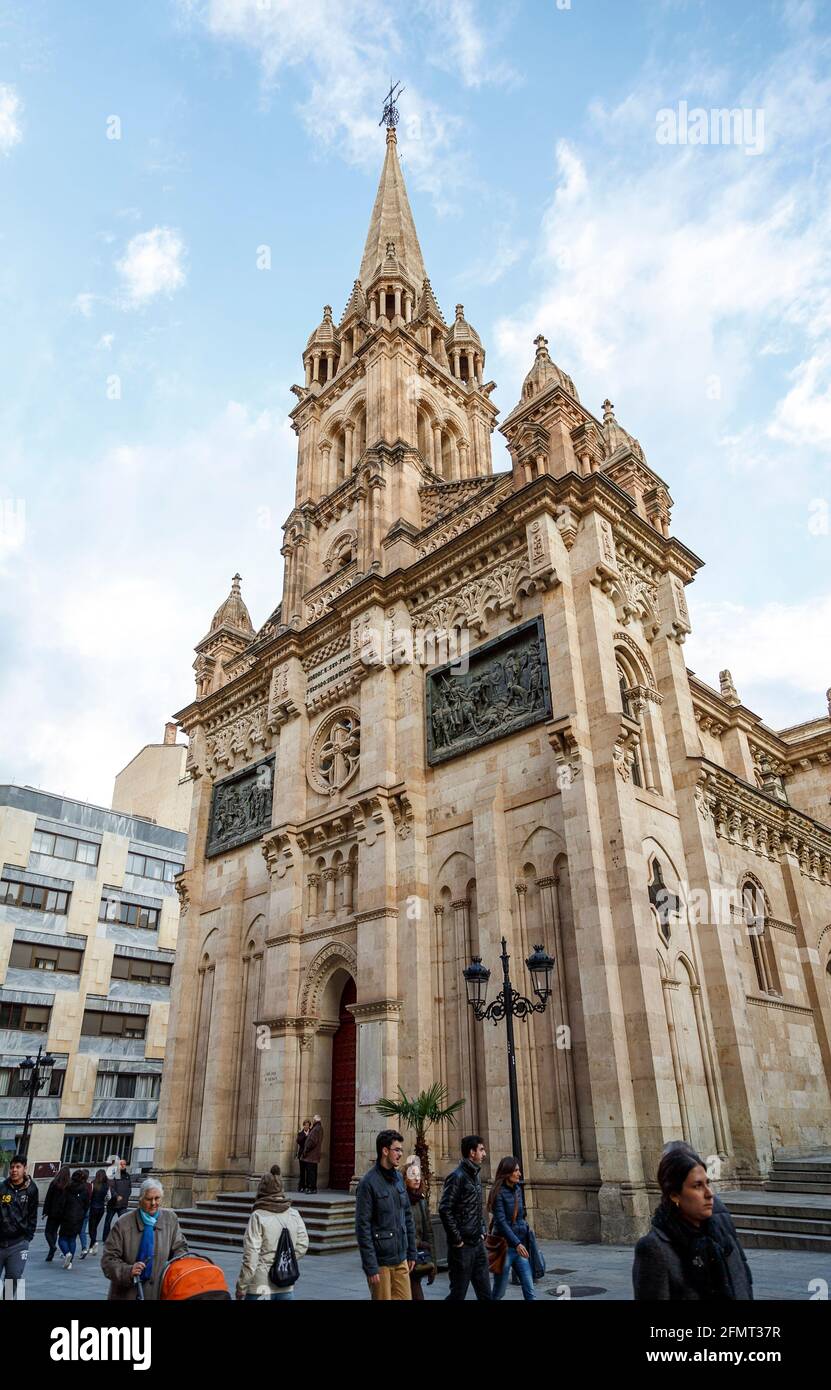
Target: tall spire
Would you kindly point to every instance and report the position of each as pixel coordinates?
(392, 221)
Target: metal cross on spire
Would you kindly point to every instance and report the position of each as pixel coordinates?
(390, 117)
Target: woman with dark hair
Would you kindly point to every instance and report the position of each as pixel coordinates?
(73, 1211)
(425, 1265)
(53, 1207)
(508, 1223)
(689, 1254)
(97, 1203)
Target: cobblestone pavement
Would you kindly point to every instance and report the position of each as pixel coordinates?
(596, 1272)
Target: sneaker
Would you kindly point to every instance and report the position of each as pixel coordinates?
(67, 1264)
(93, 1249)
(84, 1254)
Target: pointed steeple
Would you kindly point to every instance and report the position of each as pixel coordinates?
(392, 221)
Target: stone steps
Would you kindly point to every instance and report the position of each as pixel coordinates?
(807, 1175)
(785, 1215)
(220, 1223)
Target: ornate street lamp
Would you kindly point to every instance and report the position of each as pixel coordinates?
(509, 1004)
(35, 1075)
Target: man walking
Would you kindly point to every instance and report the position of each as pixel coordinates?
(312, 1150)
(119, 1190)
(384, 1223)
(461, 1215)
(18, 1218)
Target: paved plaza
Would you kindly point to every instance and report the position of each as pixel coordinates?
(598, 1272)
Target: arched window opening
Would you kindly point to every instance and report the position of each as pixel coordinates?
(626, 686)
(759, 936)
(665, 904)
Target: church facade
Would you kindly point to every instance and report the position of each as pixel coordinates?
(468, 718)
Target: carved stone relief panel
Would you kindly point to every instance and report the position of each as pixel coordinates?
(503, 687)
(334, 751)
(241, 807)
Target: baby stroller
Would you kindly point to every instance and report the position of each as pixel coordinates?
(188, 1278)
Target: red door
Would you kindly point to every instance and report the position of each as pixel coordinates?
(343, 1095)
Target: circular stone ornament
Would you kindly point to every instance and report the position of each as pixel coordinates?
(334, 752)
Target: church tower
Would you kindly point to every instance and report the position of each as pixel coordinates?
(376, 804)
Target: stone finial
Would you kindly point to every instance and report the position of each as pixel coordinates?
(327, 313)
(391, 248)
(608, 410)
(729, 693)
(541, 344)
(460, 311)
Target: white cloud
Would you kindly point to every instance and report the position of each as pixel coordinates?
(111, 593)
(777, 653)
(152, 265)
(106, 341)
(342, 53)
(11, 107)
(83, 304)
(804, 415)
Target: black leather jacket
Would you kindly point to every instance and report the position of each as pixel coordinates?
(18, 1211)
(460, 1207)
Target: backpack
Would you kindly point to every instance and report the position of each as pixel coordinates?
(193, 1277)
(285, 1270)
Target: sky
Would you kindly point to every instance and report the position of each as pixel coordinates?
(185, 183)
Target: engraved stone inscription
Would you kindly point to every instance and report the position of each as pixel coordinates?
(505, 688)
(241, 807)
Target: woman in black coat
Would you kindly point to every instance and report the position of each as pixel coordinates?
(52, 1208)
(75, 1207)
(690, 1253)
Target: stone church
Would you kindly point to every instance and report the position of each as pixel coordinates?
(470, 717)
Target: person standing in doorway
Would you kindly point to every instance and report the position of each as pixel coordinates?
(53, 1206)
(384, 1223)
(312, 1150)
(18, 1219)
(302, 1136)
(460, 1210)
(119, 1196)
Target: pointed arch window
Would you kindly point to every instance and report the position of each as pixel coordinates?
(757, 927)
(625, 685)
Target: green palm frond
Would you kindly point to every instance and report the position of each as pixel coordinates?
(418, 1112)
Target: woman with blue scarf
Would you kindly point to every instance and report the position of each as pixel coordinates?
(140, 1246)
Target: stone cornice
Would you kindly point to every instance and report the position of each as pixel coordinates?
(378, 1011)
(754, 820)
(770, 1001)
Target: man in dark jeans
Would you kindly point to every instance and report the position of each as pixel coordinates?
(384, 1223)
(119, 1198)
(18, 1218)
(460, 1210)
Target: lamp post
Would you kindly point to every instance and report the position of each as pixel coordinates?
(35, 1075)
(509, 1004)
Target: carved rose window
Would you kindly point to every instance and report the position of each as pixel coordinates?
(335, 751)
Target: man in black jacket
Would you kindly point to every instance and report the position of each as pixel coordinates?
(119, 1199)
(460, 1210)
(18, 1218)
(384, 1223)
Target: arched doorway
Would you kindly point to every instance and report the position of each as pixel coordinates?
(342, 1123)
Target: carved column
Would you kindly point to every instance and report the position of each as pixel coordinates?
(563, 1056)
(329, 876)
(464, 459)
(531, 1050)
(398, 303)
(441, 1019)
(456, 357)
(437, 448)
(313, 881)
(709, 1077)
(640, 709)
(454, 458)
(349, 461)
(676, 1061)
(345, 872)
(316, 367)
(467, 1052)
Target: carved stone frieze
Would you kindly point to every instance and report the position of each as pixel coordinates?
(504, 689)
(241, 807)
(238, 738)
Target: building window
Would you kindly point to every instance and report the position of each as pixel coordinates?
(112, 1025)
(24, 955)
(93, 1150)
(759, 936)
(146, 867)
(28, 1018)
(665, 904)
(10, 1084)
(152, 972)
(34, 897)
(125, 914)
(626, 706)
(64, 847)
(127, 1086)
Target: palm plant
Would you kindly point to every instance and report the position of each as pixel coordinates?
(419, 1113)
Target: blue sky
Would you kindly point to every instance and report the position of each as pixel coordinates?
(146, 361)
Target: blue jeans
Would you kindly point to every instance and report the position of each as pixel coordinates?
(85, 1231)
(523, 1269)
(278, 1297)
(68, 1245)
